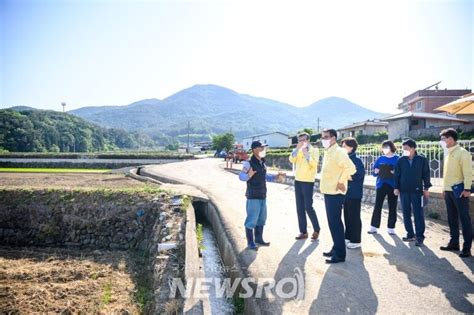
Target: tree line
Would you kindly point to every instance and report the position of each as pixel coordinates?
(52, 131)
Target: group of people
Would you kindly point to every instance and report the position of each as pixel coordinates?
(341, 182)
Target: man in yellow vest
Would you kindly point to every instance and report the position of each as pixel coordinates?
(457, 181)
(305, 160)
(335, 173)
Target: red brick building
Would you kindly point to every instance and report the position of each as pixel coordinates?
(427, 100)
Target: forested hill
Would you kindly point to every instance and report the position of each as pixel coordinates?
(45, 130)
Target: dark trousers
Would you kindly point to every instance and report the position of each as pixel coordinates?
(458, 208)
(304, 205)
(352, 220)
(385, 190)
(334, 205)
(411, 202)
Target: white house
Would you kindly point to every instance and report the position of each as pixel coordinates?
(274, 139)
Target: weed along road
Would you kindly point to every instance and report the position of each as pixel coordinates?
(386, 276)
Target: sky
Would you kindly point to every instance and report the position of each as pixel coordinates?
(92, 53)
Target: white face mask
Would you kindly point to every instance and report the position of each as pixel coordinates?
(443, 144)
(326, 143)
(263, 153)
(406, 153)
(386, 150)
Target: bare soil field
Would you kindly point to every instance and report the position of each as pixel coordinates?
(37, 280)
(40, 280)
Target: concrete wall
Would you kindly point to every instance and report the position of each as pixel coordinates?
(398, 129)
(434, 131)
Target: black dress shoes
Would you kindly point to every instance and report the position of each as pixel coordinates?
(329, 254)
(335, 260)
(450, 247)
(465, 254)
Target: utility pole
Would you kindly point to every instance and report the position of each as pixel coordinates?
(318, 124)
(187, 150)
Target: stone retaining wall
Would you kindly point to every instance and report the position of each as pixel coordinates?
(99, 219)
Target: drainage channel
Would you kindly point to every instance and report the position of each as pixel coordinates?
(218, 256)
(213, 266)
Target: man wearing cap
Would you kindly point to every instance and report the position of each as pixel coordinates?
(254, 172)
(305, 159)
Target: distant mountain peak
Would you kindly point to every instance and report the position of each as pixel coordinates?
(213, 109)
(147, 101)
(332, 100)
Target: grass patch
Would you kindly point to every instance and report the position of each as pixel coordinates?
(51, 170)
(143, 296)
(107, 294)
(200, 236)
(239, 305)
(434, 215)
(186, 203)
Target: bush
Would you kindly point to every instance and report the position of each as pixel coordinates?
(379, 137)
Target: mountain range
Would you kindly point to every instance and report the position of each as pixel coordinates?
(211, 109)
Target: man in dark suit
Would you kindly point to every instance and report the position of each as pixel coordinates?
(412, 183)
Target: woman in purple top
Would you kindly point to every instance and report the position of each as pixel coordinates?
(384, 169)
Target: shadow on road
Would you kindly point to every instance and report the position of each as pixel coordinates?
(292, 263)
(346, 288)
(424, 268)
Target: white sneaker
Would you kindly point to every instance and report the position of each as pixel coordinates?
(391, 231)
(347, 242)
(373, 230)
(353, 245)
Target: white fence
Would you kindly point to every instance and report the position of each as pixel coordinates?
(431, 150)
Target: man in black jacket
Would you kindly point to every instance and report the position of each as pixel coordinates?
(412, 183)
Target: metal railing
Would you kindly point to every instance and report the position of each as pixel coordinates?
(431, 150)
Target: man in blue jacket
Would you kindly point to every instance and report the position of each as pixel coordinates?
(412, 183)
(352, 203)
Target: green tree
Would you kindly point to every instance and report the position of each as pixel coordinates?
(224, 141)
(172, 147)
(44, 130)
(54, 148)
(309, 131)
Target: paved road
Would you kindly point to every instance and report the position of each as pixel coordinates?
(385, 276)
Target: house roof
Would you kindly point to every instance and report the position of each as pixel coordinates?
(365, 123)
(265, 134)
(423, 116)
(421, 94)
